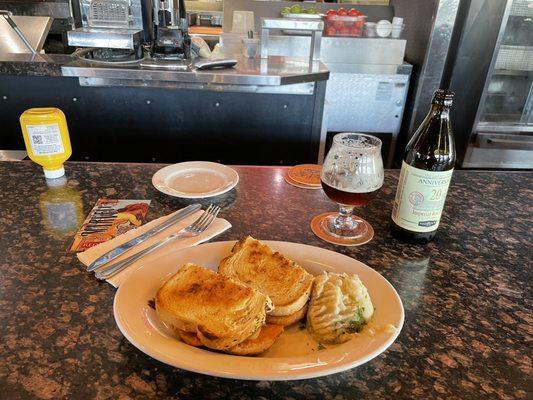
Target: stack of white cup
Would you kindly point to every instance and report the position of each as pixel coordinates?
(397, 27)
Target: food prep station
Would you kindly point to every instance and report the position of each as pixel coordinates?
(174, 105)
(138, 69)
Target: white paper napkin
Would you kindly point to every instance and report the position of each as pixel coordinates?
(218, 226)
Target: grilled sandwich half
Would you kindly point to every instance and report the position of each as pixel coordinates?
(286, 283)
(212, 310)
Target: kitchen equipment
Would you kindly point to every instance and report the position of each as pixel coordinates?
(194, 229)
(114, 253)
(161, 27)
(367, 86)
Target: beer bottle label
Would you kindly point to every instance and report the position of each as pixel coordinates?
(420, 198)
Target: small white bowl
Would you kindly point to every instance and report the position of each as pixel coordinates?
(383, 28)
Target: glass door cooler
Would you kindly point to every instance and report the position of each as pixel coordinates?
(493, 79)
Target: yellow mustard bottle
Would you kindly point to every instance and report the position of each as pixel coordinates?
(46, 138)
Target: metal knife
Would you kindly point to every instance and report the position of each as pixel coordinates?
(117, 251)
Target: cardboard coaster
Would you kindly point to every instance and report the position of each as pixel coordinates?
(319, 229)
(299, 185)
(306, 174)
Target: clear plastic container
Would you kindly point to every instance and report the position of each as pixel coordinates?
(370, 29)
(250, 47)
(396, 31)
(337, 25)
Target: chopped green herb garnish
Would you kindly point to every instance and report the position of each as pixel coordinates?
(357, 324)
(321, 346)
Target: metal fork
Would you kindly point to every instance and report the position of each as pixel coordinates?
(194, 229)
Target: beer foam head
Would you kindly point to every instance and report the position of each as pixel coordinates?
(358, 141)
(354, 163)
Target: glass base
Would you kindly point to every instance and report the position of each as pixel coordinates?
(355, 234)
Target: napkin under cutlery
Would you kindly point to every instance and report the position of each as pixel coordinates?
(218, 226)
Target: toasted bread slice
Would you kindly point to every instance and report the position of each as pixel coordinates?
(266, 338)
(287, 319)
(255, 264)
(221, 311)
(190, 338)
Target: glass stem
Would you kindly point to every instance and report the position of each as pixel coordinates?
(344, 220)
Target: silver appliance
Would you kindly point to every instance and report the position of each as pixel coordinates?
(115, 24)
(157, 27)
(493, 80)
(22, 34)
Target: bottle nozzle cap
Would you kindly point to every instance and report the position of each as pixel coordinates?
(54, 173)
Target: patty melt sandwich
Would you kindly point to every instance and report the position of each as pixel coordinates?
(286, 283)
(213, 310)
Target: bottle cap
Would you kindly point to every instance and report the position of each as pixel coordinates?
(56, 182)
(443, 96)
(54, 173)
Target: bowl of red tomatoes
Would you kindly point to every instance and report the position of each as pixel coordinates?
(344, 22)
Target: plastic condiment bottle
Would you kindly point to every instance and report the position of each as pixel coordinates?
(46, 138)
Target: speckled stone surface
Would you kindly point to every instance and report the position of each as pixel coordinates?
(26, 64)
(467, 295)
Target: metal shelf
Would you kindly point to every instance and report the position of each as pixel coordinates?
(503, 127)
(515, 58)
(520, 9)
(512, 72)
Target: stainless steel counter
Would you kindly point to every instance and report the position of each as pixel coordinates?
(275, 105)
(274, 71)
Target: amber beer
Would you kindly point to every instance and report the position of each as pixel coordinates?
(427, 169)
(348, 198)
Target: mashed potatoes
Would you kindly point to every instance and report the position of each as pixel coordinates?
(340, 307)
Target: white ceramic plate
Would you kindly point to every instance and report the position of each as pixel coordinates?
(294, 355)
(195, 179)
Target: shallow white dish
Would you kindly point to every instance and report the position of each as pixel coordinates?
(383, 28)
(293, 356)
(195, 179)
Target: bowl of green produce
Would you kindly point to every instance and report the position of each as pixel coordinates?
(298, 12)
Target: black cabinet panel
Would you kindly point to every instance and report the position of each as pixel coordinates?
(169, 125)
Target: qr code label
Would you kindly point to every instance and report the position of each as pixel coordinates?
(45, 139)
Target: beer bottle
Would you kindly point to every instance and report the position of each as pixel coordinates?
(426, 172)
